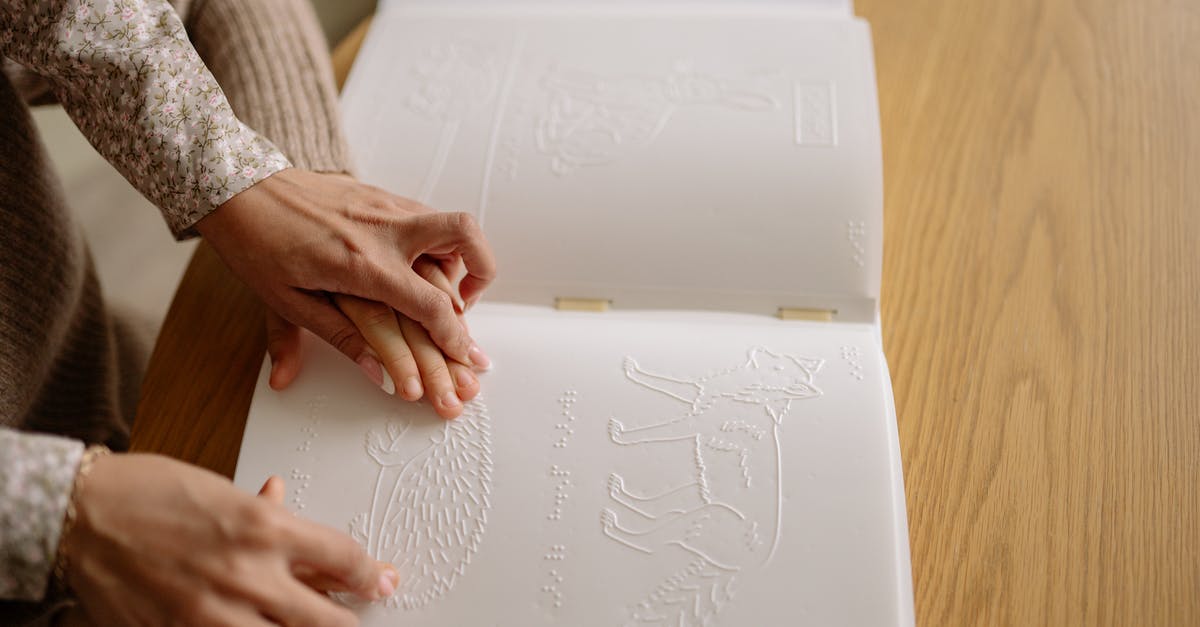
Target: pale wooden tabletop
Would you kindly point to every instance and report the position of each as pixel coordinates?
(1040, 310)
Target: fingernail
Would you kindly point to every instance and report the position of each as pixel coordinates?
(450, 400)
(388, 582)
(412, 388)
(465, 378)
(478, 357)
(372, 368)
(388, 385)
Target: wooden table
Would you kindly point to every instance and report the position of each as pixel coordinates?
(1040, 310)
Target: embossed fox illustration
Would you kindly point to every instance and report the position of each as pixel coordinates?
(429, 509)
(593, 119)
(728, 513)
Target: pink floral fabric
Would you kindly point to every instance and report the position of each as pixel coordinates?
(36, 475)
(127, 74)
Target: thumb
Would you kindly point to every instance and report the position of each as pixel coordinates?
(273, 490)
(285, 346)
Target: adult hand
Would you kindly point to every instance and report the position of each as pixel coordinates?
(157, 541)
(297, 236)
(403, 358)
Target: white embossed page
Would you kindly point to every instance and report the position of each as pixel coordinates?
(625, 468)
(656, 157)
(618, 469)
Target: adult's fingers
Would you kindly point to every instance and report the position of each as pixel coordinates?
(229, 612)
(294, 604)
(324, 583)
(417, 299)
(435, 273)
(377, 322)
(456, 232)
(285, 347)
(273, 490)
(435, 373)
(334, 555)
(319, 315)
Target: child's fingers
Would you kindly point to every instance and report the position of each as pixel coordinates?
(435, 374)
(285, 347)
(378, 325)
(466, 384)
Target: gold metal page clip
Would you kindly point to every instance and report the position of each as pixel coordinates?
(800, 313)
(582, 304)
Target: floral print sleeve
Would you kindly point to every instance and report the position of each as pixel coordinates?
(36, 474)
(127, 74)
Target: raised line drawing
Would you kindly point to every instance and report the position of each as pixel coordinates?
(445, 143)
(816, 113)
(454, 79)
(728, 512)
(593, 119)
(430, 503)
(510, 72)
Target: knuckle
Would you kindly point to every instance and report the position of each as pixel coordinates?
(433, 304)
(238, 567)
(258, 525)
(400, 359)
(358, 560)
(425, 268)
(355, 564)
(465, 224)
(463, 221)
(343, 339)
(437, 371)
(378, 316)
(406, 206)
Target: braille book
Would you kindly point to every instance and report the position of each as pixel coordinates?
(689, 420)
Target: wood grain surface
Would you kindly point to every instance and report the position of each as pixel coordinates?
(202, 372)
(203, 369)
(1040, 310)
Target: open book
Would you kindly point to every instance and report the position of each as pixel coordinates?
(689, 421)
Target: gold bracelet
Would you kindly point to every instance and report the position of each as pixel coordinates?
(90, 456)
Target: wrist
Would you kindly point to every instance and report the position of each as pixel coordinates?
(237, 209)
(67, 547)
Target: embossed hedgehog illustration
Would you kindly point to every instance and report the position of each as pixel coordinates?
(429, 508)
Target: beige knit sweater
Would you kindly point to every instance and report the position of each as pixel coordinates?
(68, 367)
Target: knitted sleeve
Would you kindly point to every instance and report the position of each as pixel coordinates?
(272, 60)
